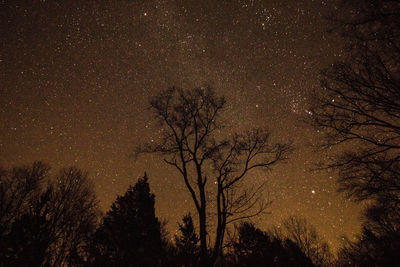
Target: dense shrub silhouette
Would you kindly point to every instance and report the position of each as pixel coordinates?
(254, 247)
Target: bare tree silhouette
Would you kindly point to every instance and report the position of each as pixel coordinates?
(358, 108)
(45, 221)
(192, 143)
(17, 188)
(305, 236)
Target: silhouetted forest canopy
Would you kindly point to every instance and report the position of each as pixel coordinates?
(55, 221)
(52, 218)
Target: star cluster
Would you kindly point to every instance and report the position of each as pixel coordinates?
(76, 77)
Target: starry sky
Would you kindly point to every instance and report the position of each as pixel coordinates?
(76, 77)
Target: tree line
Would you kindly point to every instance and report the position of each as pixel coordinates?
(55, 221)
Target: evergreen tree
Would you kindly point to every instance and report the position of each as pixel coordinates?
(130, 233)
(187, 244)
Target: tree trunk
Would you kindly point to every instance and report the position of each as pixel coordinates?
(204, 259)
(217, 244)
(203, 237)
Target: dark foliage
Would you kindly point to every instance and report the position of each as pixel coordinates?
(27, 242)
(187, 243)
(130, 233)
(254, 247)
(371, 250)
(45, 222)
(379, 242)
(51, 222)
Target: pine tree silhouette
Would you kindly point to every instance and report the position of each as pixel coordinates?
(187, 244)
(130, 233)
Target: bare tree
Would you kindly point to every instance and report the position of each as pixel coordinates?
(45, 220)
(74, 214)
(193, 143)
(305, 236)
(358, 108)
(17, 188)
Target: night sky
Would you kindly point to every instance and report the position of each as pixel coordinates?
(76, 77)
